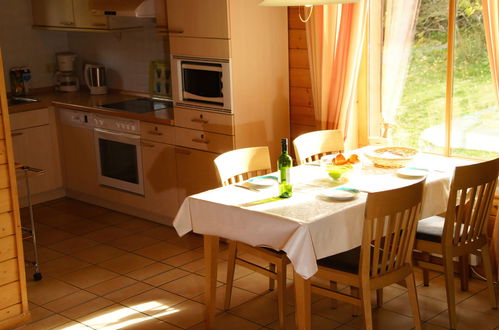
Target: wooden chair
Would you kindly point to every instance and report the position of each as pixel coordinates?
(311, 146)
(385, 255)
(233, 167)
(463, 229)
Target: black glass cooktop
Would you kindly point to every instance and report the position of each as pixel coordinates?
(142, 105)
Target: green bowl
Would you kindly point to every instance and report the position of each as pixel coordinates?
(335, 172)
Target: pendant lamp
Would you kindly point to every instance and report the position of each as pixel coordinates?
(305, 3)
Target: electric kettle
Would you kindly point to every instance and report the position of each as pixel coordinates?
(95, 78)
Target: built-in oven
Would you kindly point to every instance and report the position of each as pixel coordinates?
(202, 83)
(118, 153)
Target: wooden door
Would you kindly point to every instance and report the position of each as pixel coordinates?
(53, 13)
(196, 171)
(84, 17)
(160, 177)
(198, 18)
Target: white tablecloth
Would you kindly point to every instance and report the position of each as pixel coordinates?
(307, 227)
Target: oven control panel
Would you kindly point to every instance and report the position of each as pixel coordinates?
(117, 124)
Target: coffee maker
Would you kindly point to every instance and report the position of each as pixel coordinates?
(66, 78)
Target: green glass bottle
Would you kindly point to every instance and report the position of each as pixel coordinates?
(284, 164)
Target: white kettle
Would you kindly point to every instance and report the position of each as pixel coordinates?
(95, 78)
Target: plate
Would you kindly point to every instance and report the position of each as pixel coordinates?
(340, 194)
(411, 172)
(263, 181)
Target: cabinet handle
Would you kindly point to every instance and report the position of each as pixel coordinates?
(99, 24)
(201, 121)
(200, 141)
(146, 144)
(182, 151)
(66, 23)
(155, 133)
(13, 134)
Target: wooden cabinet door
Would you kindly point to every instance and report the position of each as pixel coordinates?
(80, 164)
(35, 147)
(161, 16)
(198, 18)
(196, 171)
(84, 17)
(160, 177)
(53, 13)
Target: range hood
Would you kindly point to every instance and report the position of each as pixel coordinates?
(134, 8)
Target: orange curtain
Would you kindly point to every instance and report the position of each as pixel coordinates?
(491, 23)
(335, 37)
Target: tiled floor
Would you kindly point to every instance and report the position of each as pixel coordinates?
(102, 269)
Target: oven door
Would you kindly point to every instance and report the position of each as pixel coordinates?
(119, 162)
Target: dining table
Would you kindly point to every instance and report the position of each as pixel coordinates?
(310, 225)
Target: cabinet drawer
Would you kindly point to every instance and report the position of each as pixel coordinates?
(7, 248)
(31, 118)
(207, 141)
(6, 224)
(9, 271)
(157, 133)
(204, 121)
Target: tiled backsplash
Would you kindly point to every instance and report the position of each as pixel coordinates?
(125, 55)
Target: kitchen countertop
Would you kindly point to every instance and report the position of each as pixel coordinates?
(83, 101)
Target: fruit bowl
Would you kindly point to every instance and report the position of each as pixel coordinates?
(391, 157)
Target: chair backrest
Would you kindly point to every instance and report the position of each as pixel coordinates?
(390, 224)
(241, 164)
(311, 146)
(470, 199)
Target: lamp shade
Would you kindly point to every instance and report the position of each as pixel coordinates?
(286, 3)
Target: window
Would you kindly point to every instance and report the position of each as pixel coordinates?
(434, 76)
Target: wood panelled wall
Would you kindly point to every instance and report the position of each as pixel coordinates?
(300, 91)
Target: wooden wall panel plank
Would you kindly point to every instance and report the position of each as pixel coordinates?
(11, 294)
(10, 311)
(298, 58)
(297, 130)
(301, 96)
(297, 39)
(5, 200)
(9, 271)
(6, 224)
(4, 176)
(3, 152)
(8, 248)
(299, 78)
(294, 21)
(302, 115)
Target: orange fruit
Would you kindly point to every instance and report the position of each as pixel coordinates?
(340, 159)
(353, 159)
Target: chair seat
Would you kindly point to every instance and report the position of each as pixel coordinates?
(430, 229)
(347, 261)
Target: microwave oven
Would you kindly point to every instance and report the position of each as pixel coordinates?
(202, 83)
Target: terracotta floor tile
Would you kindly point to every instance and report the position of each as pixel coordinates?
(44, 254)
(86, 308)
(83, 226)
(73, 325)
(69, 301)
(107, 234)
(112, 218)
(197, 266)
(238, 297)
(184, 315)
(163, 233)
(428, 308)
(136, 225)
(112, 317)
(52, 217)
(189, 286)
(318, 322)
(76, 207)
(436, 289)
(182, 259)
(254, 282)
(166, 277)
(228, 321)
(189, 241)
(48, 289)
(133, 242)
(47, 323)
(47, 236)
(72, 245)
(468, 319)
(38, 313)
(88, 276)
(480, 302)
(98, 253)
(149, 271)
(154, 301)
(125, 263)
(128, 291)
(62, 265)
(151, 323)
(111, 285)
(260, 310)
(386, 320)
(160, 251)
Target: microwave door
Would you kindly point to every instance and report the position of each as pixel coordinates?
(202, 83)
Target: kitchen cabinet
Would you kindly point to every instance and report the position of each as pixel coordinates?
(196, 171)
(35, 142)
(198, 18)
(14, 308)
(160, 178)
(76, 15)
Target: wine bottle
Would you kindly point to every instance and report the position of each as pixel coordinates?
(284, 164)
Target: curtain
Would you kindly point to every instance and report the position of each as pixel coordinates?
(335, 37)
(491, 23)
(400, 22)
